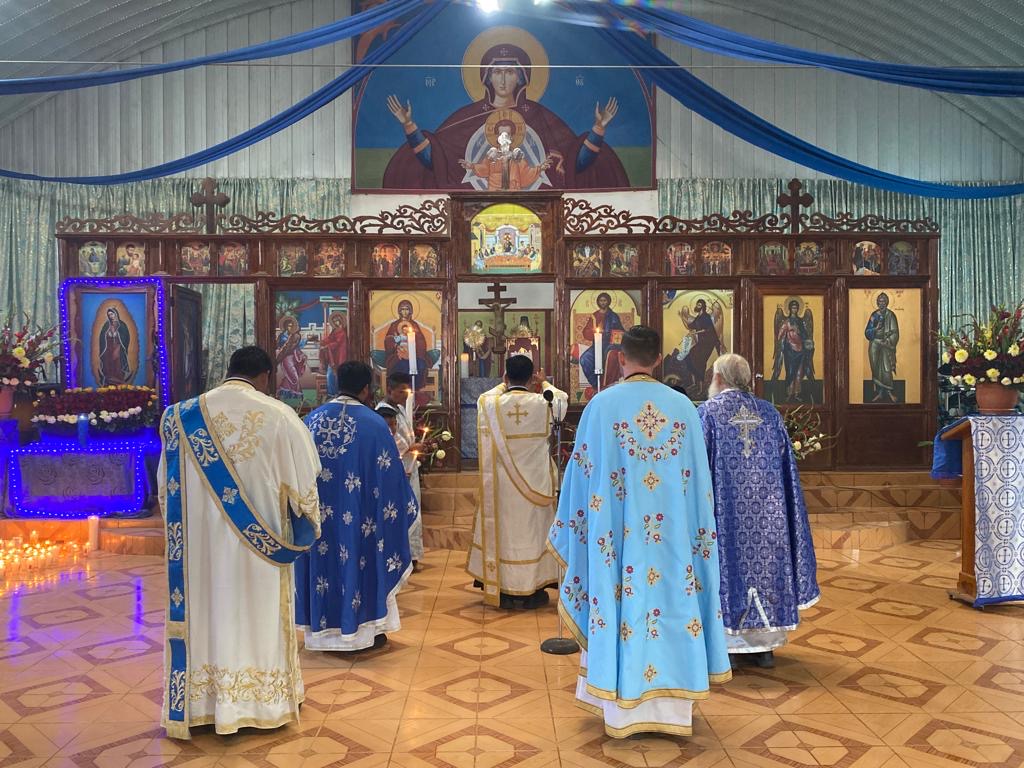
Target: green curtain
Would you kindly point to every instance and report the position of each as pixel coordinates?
(979, 261)
(29, 211)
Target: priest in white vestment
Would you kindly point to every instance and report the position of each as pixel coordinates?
(237, 484)
(518, 483)
(400, 397)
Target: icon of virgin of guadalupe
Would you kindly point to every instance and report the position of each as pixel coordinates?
(114, 341)
(509, 80)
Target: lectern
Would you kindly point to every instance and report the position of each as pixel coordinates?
(966, 583)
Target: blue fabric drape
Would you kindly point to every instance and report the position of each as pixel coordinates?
(714, 39)
(700, 97)
(302, 41)
(278, 122)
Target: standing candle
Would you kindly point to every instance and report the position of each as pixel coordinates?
(598, 352)
(464, 365)
(83, 428)
(94, 532)
(410, 341)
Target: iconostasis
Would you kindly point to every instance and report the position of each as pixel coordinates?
(833, 313)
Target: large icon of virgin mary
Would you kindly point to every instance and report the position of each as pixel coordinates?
(505, 139)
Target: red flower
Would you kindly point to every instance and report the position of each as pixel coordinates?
(659, 517)
(629, 569)
(656, 612)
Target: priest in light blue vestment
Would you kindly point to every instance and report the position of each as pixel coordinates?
(347, 585)
(767, 557)
(635, 531)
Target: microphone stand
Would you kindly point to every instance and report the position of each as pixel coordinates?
(561, 645)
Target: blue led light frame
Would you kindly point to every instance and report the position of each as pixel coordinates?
(72, 376)
(80, 507)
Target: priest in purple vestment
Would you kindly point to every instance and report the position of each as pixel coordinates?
(764, 538)
(431, 159)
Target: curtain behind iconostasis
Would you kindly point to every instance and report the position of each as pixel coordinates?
(981, 248)
(29, 273)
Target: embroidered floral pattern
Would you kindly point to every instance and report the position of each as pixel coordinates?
(322, 548)
(650, 673)
(411, 509)
(618, 479)
(583, 461)
(651, 480)
(390, 511)
(352, 482)
(627, 583)
(176, 699)
(685, 474)
(177, 598)
(596, 502)
(618, 593)
(650, 421)
(173, 487)
(384, 460)
(368, 527)
(265, 686)
(578, 525)
(346, 517)
(229, 496)
(607, 545)
(326, 511)
(597, 622)
(625, 632)
(575, 593)
(343, 554)
(695, 627)
(650, 452)
(322, 585)
(260, 540)
(169, 428)
(175, 541)
(652, 528)
(394, 562)
(652, 623)
(653, 577)
(203, 447)
(693, 585)
(704, 542)
(357, 601)
(333, 436)
(326, 475)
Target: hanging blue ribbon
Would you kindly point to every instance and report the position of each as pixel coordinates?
(302, 41)
(700, 97)
(319, 98)
(714, 39)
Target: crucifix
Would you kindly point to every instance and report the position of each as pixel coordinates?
(747, 421)
(498, 304)
(209, 198)
(517, 413)
(794, 200)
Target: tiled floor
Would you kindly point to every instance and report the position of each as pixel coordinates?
(885, 672)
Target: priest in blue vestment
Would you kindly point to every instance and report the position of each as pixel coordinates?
(635, 532)
(766, 553)
(347, 585)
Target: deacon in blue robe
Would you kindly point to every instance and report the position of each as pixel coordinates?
(766, 553)
(346, 586)
(635, 532)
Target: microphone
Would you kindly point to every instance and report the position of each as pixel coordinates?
(549, 395)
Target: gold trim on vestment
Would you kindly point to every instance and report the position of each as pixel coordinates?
(635, 728)
(503, 561)
(243, 722)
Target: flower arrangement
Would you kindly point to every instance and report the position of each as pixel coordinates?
(987, 350)
(23, 353)
(803, 426)
(110, 410)
(432, 431)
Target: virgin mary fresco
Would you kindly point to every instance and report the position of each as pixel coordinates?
(505, 121)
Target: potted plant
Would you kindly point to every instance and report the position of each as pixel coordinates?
(986, 355)
(438, 442)
(803, 425)
(24, 352)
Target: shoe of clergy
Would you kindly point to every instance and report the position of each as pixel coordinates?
(765, 660)
(538, 599)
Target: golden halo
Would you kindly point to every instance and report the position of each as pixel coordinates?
(800, 305)
(411, 298)
(504, 116)
(539, 73)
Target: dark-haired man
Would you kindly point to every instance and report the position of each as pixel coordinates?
(636, 532)
(347, 584)
(238, 489)
(508, 556)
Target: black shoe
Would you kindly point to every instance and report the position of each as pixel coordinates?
(763, 660)
(538, 599)
(380, 641)
(507, 601)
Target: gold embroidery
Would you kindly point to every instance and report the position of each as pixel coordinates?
(651, 480)
(249, 440)
(234, 685)
(650, 673)
(177, 598)
(222, 426)
(177, 696)
(229, 495)
(261, 541)
(172, 487)
(650, 420)
(175, 541)
(746, 421)
(203, 448)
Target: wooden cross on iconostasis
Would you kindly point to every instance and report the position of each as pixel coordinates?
(794, 201)
(209, 198)
(498, 304)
